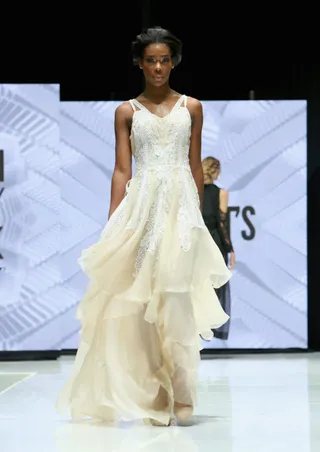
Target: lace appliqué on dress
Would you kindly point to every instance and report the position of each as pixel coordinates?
(161, 151)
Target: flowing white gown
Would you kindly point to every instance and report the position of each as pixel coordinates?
(153, 273)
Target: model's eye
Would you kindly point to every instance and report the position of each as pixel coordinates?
(153, 61)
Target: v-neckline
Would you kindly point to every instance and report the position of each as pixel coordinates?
(142, 107)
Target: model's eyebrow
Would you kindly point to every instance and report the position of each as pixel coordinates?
(152, 56)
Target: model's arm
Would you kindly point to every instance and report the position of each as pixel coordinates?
(123, 160)
(224, 226)
(196, 113)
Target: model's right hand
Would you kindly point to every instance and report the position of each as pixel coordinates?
(232, 262)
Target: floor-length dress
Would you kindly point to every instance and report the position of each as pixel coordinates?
(152, 278)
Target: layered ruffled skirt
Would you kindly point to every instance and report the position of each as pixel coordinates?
(151, 294)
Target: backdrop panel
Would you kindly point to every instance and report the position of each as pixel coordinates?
(87, 160)
(262, 146)
(30, 294)
(52, 208)
(262, 149)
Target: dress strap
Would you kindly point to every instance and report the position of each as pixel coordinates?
(180, 101)
(185, 100)
(132, 104)
(136, 104)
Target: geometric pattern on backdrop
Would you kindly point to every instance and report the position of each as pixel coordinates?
(262, 148)
(56, 201)
(30, 290)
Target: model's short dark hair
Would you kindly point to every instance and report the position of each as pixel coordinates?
(157, 35)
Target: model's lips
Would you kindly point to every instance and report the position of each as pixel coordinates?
(158, 77)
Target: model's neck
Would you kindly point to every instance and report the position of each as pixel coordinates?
(155, 93)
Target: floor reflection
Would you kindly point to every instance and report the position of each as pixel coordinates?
(245, 403)
(101, 438)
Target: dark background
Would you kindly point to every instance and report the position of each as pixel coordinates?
(228, 50)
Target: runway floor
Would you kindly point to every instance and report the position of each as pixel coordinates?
(250, 403)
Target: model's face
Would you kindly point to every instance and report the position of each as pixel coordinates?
(156, 64)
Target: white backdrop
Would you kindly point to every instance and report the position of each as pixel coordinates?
(30, 289)
(55, 202)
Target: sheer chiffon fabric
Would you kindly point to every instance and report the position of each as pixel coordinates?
(153, 275)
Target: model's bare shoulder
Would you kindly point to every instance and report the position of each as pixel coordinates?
(194, 104)
(123, 115)
(195, 108)
(124, 110)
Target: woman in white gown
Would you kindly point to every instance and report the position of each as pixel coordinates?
(155, 267)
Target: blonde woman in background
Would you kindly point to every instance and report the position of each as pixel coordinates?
(215, 215)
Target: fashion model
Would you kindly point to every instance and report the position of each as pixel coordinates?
(154, 269)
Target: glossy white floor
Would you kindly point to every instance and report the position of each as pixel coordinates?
(246, 403)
